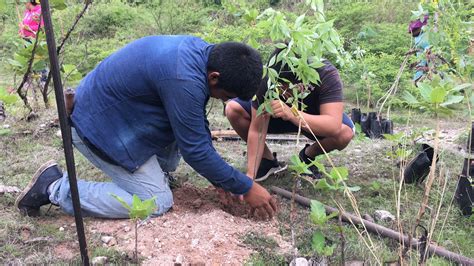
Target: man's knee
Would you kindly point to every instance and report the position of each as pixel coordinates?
(345, 136)
(235, 111)
(164, 202)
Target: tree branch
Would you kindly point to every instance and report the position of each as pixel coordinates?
(19, 90)
(66, 37)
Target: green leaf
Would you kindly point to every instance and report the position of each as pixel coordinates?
(299, 21)
(318, 213)
(462, 87)
(318, 242)
(409, 98)
(142, 209)
(6, 97)
(124, 204)
(272, 61)
(280, 45)
(438, 94)
(15, 63)
(452, 99)
(323, 185)
(354, 188)
(339, 173)
(425, 91)
(260, 109)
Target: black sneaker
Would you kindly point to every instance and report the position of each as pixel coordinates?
(269, 167)
(36, 194)
(315, 174)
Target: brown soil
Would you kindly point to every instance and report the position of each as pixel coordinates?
(199, 229)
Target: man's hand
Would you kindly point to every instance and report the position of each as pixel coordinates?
(261, 202)
(228, 199)
(281, 110)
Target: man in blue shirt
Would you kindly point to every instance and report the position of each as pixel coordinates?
(136, 109)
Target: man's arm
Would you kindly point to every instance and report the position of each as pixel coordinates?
(185, 106)
(184, 102)
(326, 124)
(256, 141)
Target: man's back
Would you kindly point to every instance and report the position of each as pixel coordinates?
(119, 106)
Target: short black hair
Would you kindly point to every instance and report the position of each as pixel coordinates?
(240, 67)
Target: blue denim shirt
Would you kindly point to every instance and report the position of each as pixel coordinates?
(147, 95)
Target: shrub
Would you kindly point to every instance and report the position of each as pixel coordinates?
(105, 19)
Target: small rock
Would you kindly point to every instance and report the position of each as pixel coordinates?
(157, 240)
(113, 242)
(299, 262)
(61, 229)
(318, 262)
(382, 215)
(8, 189)
(42, 125)
(6, 126)
(194, 243)
(58, 133)
(186, 236)
(127, 229)
(106, 239)
(99, 260)
(73, 225)
(179, 260)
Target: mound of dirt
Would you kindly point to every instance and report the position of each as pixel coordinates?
(199, 230)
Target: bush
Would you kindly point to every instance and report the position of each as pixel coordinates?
(351, 18)
(105, 19)
(177, 17)
(388, 38)
(384, 67)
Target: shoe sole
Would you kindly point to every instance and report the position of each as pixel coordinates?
(272, 171)
(33, 181)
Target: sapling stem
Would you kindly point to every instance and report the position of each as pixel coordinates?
(136, 241)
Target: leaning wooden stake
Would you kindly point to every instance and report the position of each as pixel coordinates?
(65, 130)
(381, 230)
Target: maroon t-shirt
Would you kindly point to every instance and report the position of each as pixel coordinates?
(329, 90)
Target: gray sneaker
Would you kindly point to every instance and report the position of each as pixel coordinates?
(36, 194)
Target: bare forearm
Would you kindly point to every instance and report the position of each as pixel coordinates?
(320, 125)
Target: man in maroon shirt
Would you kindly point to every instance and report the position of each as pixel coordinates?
(324, 116)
